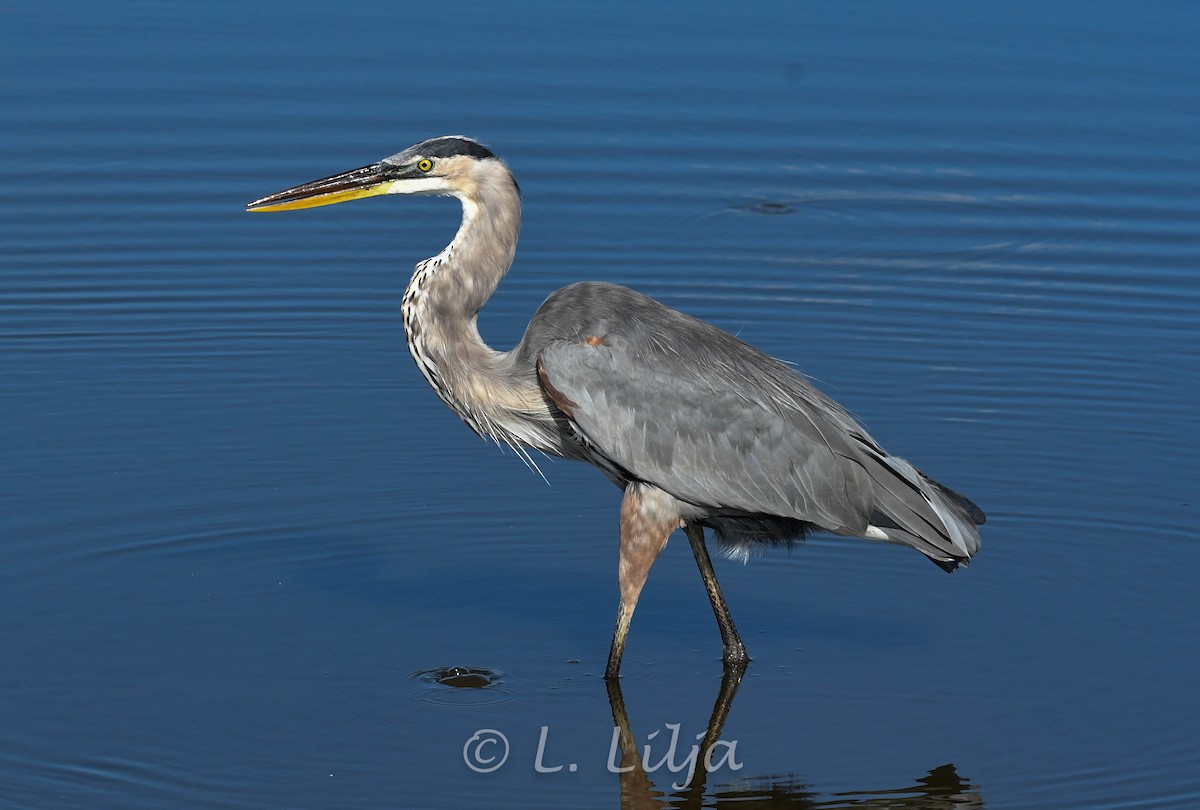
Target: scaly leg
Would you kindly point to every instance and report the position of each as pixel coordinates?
(735, 650)
(648, 516)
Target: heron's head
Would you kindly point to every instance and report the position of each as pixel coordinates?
(450, 165)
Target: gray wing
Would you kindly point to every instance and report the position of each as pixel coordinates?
(681, 404)
(680, 417)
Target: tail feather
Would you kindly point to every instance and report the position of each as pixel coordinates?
(914, 510)
(974, 512)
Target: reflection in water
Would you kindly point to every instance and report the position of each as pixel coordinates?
(941, 789)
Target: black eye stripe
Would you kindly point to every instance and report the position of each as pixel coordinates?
(451, 146)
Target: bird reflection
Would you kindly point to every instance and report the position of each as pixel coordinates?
(940, 789)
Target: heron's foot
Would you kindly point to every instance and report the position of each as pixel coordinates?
(612, 672)
(736, 655)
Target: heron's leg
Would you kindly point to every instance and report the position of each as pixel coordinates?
(735, 650)
(648, 516)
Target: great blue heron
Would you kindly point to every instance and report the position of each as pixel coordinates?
(698, 428)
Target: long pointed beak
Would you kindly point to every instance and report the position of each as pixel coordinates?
(368, 181)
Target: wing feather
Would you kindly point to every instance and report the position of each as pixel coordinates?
(664, 398)
(699, 436)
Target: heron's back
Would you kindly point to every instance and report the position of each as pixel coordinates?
(761, 454)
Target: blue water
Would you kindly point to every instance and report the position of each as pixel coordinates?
(236, 525)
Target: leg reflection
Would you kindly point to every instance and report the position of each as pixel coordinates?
(638, 792)
(940, 789)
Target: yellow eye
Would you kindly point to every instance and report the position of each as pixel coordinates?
(424, 164)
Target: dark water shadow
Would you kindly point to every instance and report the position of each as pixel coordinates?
(940, 789)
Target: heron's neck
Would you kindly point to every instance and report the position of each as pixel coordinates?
(456, 283)
(440, 307)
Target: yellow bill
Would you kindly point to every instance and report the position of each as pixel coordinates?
(368, 181)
